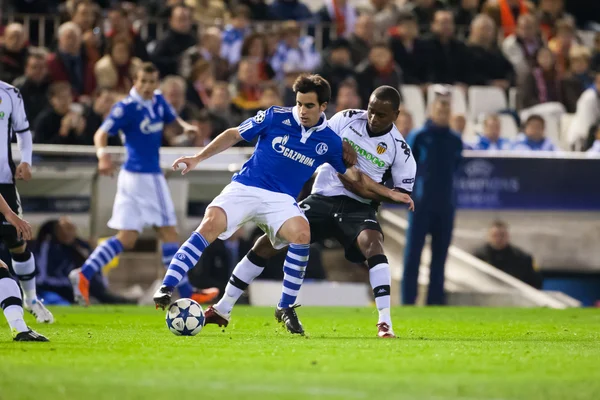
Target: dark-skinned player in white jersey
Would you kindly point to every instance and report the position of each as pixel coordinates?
(343, 209)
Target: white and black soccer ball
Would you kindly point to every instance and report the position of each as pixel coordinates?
(185, 318)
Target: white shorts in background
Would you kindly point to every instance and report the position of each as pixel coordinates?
(142, 200)
(269, 210)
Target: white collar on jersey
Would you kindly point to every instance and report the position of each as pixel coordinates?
(149, 104)
(306, 133)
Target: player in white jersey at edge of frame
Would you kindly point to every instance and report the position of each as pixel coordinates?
(341, 209)
(292, 143)
(14, 120)
(10, 295)
(143, 197)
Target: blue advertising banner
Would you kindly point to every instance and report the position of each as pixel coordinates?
(509, 183)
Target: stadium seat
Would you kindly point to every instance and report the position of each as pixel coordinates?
(459, 100)
(565, 123)
(414, 103)
(512, 97)
(508, 127)
(485, 99)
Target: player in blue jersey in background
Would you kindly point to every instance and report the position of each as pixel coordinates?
(143, 197)
(292, 143)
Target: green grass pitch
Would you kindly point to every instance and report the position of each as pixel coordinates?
(441, 354)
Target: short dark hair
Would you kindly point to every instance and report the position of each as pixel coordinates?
(241, 11)
(247, 43)
(535, 117)
(307, 83)
(381, 44)
(498, 223)
(58, 87)
(147, 68)
(406, 16)
(388, 94)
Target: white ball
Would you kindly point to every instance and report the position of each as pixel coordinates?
(185, 317)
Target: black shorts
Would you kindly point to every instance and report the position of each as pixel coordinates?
(8, 233)
(342, 218)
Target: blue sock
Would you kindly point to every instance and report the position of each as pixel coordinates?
(168, 252)
(293, 273)
(185, 259)
(103, 254)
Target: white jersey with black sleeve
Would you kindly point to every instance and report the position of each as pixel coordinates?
(13, 120)
(381, 156)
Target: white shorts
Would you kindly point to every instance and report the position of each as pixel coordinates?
(269, 210)
(142, 200)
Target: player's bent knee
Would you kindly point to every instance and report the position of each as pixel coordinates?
(213, 224)
(263, 248)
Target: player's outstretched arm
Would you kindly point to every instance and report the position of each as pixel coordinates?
(23, 228)
(365, 187)
(221, 143)
(105, 165)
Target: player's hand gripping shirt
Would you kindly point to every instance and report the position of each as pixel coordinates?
(142, 123)
(287, 154)
(380, 157)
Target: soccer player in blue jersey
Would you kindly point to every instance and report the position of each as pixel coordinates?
(143, 197)
(292, 143)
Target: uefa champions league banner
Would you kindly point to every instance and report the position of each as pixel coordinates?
(528, 184)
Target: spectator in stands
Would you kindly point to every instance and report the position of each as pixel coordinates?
(178, 38)
(362, 39)
(341, 15)
(490, 138)
(337, 65)
(561, 44)
(255, 47)
(86, 14)
(521, 47)
(549, 13)
(71, 63)
(13, 53)
(62, 122)
(34, 84)
(58, 251)
(220, 105)
(542, 84)
(295, 54)
(116, 70)
(488, 65)
(234, 34)
(578, 79)
(425, 11)
(385, 14)
(435, 200)
(587, 115)
(499, 253)
(247, 87)
(287, 10)
(404, 122)
(96, 114)
(458, 123)
(209, 49)
(505, 13)
(259, 9)
(410, 52)
(447, 57)
(271, 96)
(380, 69)
(121, 28)
(174, 90)
(464, 14)
(347, 98)
(200, 84)
(533, 138)
(210, 10)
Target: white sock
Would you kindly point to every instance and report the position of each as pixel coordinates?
(243, 275)
(25, 271)
(10, 300)
(381, 279)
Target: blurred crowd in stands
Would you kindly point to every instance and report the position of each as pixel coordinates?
(221, 60)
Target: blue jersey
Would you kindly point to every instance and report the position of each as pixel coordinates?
(287, 154)
(142, 123)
